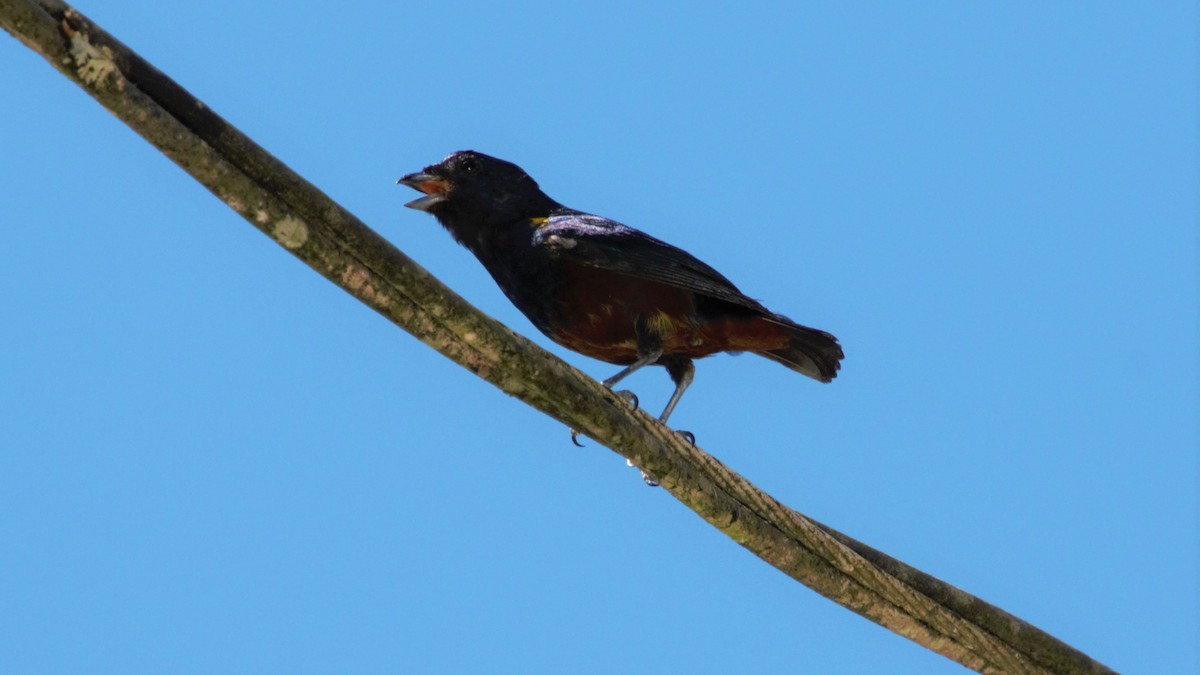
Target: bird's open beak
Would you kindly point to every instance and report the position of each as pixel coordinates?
(435, 189)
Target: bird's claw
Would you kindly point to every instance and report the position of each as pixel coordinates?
(687, 436)
(629, 397)
(623, 394)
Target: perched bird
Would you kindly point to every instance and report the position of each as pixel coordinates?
(604, 289)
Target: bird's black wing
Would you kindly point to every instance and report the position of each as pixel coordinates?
(593, 241)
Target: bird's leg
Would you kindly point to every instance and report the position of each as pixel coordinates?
(681, 370)
(643, 360)
(649, 351)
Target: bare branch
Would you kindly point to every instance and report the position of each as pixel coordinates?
(336, 244)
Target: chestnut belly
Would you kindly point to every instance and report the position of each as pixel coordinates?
(598, 313)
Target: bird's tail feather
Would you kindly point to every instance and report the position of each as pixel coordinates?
(812, 352)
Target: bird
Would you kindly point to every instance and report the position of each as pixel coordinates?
(602, 288)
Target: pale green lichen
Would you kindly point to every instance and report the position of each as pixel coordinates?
(291, 232)
(92, 63)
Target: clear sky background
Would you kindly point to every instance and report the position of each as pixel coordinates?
(212, 460)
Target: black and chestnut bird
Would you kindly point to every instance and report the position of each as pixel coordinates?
(604, 289)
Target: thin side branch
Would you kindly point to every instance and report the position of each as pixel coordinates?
(310, 226)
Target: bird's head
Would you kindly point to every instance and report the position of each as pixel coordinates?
(471, 189)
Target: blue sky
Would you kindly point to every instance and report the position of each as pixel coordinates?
(212, 460)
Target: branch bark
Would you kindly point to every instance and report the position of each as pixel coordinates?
(333, 242)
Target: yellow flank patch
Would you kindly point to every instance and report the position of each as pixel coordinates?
(660, 323)
(537, 222)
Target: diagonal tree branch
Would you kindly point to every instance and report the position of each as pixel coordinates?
(333, 242)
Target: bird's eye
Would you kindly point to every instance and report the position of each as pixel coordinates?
(469, 165)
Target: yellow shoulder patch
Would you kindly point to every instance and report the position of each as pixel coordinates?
(660, 323)
(535, 223)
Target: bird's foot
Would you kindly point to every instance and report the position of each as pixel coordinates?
(625, 395)
(687, 436)
(629, 397)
